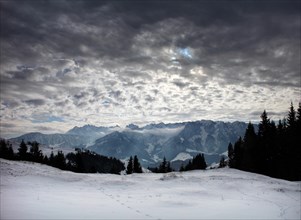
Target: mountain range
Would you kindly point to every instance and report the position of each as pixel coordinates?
(177, 142)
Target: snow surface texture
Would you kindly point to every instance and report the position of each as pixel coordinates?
(35, 191)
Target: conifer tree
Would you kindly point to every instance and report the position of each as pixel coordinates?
(263, 125)
(204, 164)
(59, 160)
(51, 159)
(291, 119)
(182, 168)
(129, 169)
(250, 134)
(22, 150)
(198, 162)
(222, 162)
(249, 149)
(6, 150)
(238, 153)
(10, 152)
(45, 159)
(231, 155)
(137, 167)
(264, 137)
(3, 148)
(162, 167)
(168, 167)
(189, 166)
(36, 153)
(280, 127)
(298, 116)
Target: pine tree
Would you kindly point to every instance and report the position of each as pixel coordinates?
(51, 159)
(10, 153)
(293, 141)
(22, 150)
(36, 153)
(189, 166)
(137, 167)
(198, 162)
(238, 153)
(231, 155)
(168, 167)
(291, 119)
(6, 150)
(250, 134)
(59, 160)
(298, 116)
(280, 127)
(263, 149)
(249, 149)
(203, 163)
(162, 167)
(182, 168)
(3, 148)
(263, 125)
(129, 169)
(222, 162)
(45, 159)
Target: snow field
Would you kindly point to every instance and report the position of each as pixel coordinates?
(35, 191)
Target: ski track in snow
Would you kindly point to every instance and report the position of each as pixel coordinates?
(35, 191)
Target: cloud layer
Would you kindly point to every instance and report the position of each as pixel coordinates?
(67, 63)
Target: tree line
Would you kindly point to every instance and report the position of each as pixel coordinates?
(164, 167)
(275, 150)
(82, 161)
(197, 163)
(133, 165)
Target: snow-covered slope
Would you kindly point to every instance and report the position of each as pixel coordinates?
(34, 191)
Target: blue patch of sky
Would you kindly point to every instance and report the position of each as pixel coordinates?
(44, 118)
(185, 52)
(106, 102)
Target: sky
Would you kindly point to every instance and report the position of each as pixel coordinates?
(67, 63)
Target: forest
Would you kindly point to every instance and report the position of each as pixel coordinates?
(83, 161)
(275, 150)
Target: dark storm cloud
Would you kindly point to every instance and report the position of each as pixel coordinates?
(28, 73)
(58, 27)
(149, 98)
(219, 32)
(8, 125)
(10, 103)
(134, 99)
(35, 102)
(275, 115)
(43, 128)
(180, 83)
(115, 94)
(81, 95)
